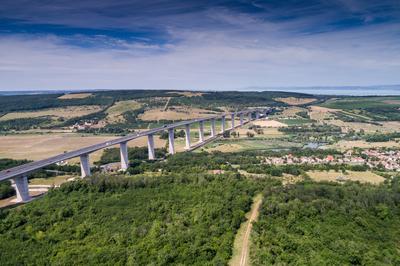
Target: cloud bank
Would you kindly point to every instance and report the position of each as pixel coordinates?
(197, 44)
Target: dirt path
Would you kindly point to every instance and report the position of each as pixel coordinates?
(242, 240)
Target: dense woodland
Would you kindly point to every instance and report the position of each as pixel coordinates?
(175, 212)
(180, 218)
(329, 224)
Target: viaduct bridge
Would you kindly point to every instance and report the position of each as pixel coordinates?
(19, 174)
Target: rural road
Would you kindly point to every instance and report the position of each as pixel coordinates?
(244, 253)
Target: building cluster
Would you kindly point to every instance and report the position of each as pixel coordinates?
(87, 125)
(390, 160)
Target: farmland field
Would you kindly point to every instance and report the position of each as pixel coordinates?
(333, 176)
(115, 112)
(62, 112)
(75, 96)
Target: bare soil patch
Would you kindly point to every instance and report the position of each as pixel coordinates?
(75, 96)
(295, 101)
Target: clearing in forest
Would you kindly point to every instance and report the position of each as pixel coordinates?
(363, 177)
(295, 101)
(187, 93)
(75, 96)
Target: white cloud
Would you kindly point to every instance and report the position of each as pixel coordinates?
(253, 53)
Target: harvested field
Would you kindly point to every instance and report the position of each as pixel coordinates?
(396, 102)
(36, 147)
(345, 145)
(187, 93)
(321, 113)
(269, 123)
(295, 101)
(75, 96)
(383, 127)
(235, 145)
(63, 112)
(332, 176)
(175, 113)
(114, 113)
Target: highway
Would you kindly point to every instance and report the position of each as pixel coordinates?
(34, 166)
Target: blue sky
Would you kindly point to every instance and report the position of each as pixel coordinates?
(157, 44)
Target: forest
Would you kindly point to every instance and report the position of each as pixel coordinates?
(175, 211)
(180, 218)
(328, 224)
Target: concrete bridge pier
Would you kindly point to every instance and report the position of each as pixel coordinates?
(21, 187)
(85, 165)
(213, 133)
(171, 141)
(250, 116)
(233, 121)
(241, 119)
(150, 146)
(187, 136)
(257, 115)
(201, 131)
(123, 148)
(222, 124)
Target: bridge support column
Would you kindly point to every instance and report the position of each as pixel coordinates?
(241, 119)
(21, 187)
(171, 141)
(187, 136)
(250, 116)
(213, 127)
(123, 148)
(265, 114)
(85, 165)
(257, 115)
(222, 124)
(150, 146)
(201, 131)
(233, 120)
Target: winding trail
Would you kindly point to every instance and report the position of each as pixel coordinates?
(242, 240)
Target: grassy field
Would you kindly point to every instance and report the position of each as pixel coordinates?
(75, 96)
(175, 113)
(362, 102)
(114, 113)
(250, 144)
(364, 177)
(344, 145)
(62, 112)
(295, 101)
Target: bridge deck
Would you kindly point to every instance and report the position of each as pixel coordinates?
(33, 166)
